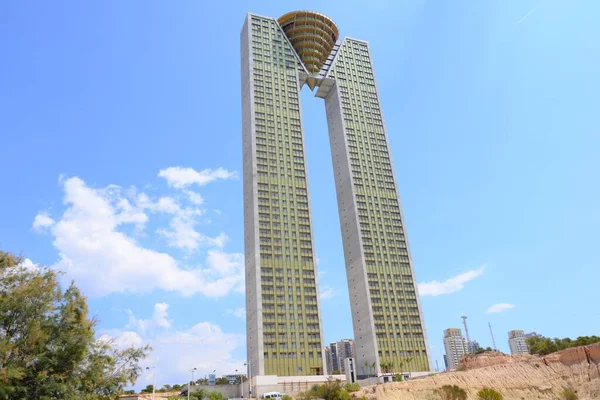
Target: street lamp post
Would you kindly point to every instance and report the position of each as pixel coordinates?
(192, 371)
(249, 365)
(154, 381)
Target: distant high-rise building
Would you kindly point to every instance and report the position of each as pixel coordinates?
(530, 335)
(283, 319)
(339, 351)
(516, 342)
(328, 360)
(455, 345)
(473, 346)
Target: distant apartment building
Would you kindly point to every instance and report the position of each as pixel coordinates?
(473, 346)
(516, 342)
(456, 347)
(337, 352)
(328, 360)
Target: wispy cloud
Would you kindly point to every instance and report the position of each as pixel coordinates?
(182, 177)
(528, 14)
(42, 222)
(327, 293)
(450, 285)
(239, 312)
(496, 308)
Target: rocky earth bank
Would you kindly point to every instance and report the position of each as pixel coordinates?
(524, 377)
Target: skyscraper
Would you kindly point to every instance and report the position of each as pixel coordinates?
(455, 346)
(516, 342)
(283, 321)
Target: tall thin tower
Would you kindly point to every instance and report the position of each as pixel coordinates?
(464, 318)
(283, 314)
(492, 333)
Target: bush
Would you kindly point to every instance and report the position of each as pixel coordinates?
(489, 394)
(199, 394)
(352, 387)
(453, 392)
(215, 396)
(287, 397)
(397, 378)
(568, 394)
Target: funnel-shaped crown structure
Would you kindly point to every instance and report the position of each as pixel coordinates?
(312, 35)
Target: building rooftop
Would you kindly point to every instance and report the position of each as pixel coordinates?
(312, 35)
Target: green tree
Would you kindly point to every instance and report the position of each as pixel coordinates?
(542, 345)
(398, 378)
(176, 386)
(222, 381)
(404, 362)
(387, 367)
(481, 350)
(489, 394)
(202, 381)
(215, 396)
(48, 347)
(451, 392)
(147, 389)
(568, 394)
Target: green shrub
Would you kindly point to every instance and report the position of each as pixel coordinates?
(352, 387)
(287, 397)
(215, 396)
(568, 394)
(397, 378)
(448, 392)
(489, 394)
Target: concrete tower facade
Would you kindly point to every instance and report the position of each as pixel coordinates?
(455, 346)
(284, 330)
(517, 343)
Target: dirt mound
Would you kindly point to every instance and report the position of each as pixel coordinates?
(523, 377)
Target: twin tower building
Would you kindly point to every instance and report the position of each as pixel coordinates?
(283, 315)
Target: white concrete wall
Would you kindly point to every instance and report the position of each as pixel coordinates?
(254, 332)
(358, 287)
(291, 385)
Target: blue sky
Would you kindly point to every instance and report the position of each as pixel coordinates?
(121, 152)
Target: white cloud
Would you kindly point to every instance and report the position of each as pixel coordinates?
(327, 293)
(496, 308)
(30, 265)
(451, 285)
(239, 312)
(224, 273)
(102, 259)
(181, 177)
(158, 320)
(204, 346)
(194, 197)
(42, 222)
(181, 233)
